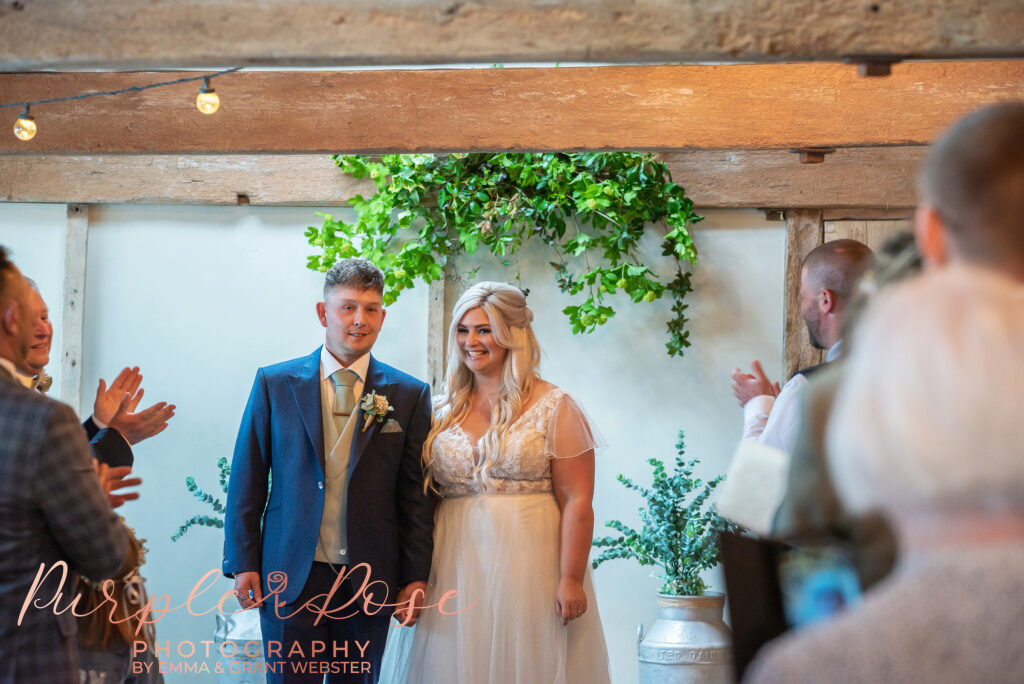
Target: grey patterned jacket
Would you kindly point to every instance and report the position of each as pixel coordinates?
(52, 508)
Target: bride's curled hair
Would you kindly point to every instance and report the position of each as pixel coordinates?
(510, 321)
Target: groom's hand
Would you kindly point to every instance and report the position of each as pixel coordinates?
(247, 589)
(410, 603)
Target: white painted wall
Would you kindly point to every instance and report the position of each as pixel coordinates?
(34, 234)
(199, 297)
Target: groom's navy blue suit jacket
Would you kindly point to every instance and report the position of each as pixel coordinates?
(390, 519)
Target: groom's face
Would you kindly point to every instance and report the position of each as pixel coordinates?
(353, 319)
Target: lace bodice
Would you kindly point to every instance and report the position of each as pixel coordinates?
(524, 467)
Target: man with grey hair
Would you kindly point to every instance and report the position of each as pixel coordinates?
(114, 425)
(341, 434)
(53, 508)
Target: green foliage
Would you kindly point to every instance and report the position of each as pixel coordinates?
(595, 206)
(679, 538)
(218, 507)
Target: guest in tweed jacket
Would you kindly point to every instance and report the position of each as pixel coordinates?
(52, 508)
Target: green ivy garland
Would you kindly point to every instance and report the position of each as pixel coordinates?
(430, 208)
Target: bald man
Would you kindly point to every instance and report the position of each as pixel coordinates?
(829, 276)
(971, 209)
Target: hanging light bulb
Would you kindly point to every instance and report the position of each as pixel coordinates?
(25, 126)
(207, 101)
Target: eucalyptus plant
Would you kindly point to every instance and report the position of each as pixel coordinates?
(680, 538)
(589, 208)
(216, 520)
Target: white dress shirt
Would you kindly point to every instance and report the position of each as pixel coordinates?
(9, 365)
(774, 421)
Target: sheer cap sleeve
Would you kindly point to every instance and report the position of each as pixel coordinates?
(571, 433)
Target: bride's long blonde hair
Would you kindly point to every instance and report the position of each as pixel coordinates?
(510, 320)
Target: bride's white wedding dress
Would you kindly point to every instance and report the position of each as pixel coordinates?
(497, 544)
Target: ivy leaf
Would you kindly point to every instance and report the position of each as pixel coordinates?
(459, 200)
(469, 241)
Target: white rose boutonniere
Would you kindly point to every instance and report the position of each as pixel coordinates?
(375, 407)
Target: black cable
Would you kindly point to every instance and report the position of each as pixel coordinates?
(123, 90)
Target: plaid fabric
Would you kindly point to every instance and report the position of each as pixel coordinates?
(51, 508)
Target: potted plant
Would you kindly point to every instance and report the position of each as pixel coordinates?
(242, 628)
(689, 641)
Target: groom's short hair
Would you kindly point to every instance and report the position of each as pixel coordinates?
(359, 274)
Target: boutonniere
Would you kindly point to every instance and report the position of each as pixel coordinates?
(375, 407)
(42, 382)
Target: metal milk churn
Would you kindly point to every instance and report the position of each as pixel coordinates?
(689, 642)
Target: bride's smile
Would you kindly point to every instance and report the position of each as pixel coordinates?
(480, 351)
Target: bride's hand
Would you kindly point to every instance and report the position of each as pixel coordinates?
(409, 603)
(570, 600)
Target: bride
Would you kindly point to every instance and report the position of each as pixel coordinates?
(512, 457)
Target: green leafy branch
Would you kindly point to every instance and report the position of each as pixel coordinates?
(678, 537)
(218, 507)
(428, 209)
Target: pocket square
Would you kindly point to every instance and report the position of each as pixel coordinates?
(391, 426)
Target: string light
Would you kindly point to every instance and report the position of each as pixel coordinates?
(207, 101)
(25, 127)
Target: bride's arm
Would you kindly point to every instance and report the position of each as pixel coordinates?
(573, 482)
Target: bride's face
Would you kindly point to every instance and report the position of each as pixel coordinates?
(477, 346)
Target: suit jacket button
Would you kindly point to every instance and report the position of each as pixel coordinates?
(320, 484)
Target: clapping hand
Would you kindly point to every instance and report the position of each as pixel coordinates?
(116, 407)
(142, 425)
(110, 400)
(113, 479)
(745, 386)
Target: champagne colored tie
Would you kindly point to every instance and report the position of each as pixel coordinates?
(344, 396)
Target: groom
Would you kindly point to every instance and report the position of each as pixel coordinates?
(345, 489)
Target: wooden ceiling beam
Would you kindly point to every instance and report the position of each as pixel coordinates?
(146, 34)
(767, 106)
(881, 178)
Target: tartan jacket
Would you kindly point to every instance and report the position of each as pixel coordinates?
(52, 508)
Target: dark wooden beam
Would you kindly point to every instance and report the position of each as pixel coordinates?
(764, 106)
(144, 34)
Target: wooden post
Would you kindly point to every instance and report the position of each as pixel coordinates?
(72, 317)
(805, 230)
(436, 333)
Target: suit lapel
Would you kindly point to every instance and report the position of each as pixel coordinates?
(306, 387)
(376, 380)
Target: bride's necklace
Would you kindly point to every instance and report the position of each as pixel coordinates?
(484, 403)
